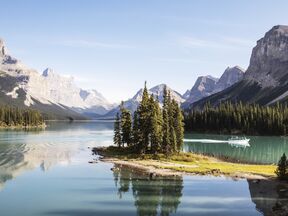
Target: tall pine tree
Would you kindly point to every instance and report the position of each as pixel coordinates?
(136, 133)
(155, 125)
(117, 131)
(126, 126)
(178, 125)
(166, 144)
(154, 129)
(144, 121)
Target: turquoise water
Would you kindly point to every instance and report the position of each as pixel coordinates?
(262, 149)
(47, 173)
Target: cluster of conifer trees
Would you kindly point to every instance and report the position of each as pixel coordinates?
(152, 129)
(13, 116)
(247, 119)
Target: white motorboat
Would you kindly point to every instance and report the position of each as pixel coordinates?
(239, 141)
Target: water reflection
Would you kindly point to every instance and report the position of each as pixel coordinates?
(270, 196)
(125, 192)
(21, 151)
(159, 196)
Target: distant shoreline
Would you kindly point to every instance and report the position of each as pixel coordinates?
(23, 127)
(78, 120)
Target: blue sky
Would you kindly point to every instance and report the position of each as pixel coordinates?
(113, 46)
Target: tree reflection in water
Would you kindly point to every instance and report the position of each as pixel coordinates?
(270, 196)
(153, 196)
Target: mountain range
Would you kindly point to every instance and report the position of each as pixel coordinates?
(266, 80)
(156, 91)
(58, 97)
(208, 85)
(55, 95)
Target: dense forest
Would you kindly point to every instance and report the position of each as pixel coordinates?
(14, 117)
(153, 129)
(239, 118)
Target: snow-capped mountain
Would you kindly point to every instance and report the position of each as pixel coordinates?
(63, 90)
(48, 88)
(157, 91)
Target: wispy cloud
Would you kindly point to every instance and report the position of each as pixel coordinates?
(222, 42)
(239, 41)
(196, 42)
(181, 60)
(95, 44)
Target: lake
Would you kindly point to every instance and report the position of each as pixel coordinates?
(262, 149)
(47, 173)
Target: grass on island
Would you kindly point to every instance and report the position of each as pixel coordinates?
(188, 162)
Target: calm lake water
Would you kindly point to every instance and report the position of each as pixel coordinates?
(262, 149)
(47, 173)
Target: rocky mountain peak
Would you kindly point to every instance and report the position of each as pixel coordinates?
(269, 60)
(186, 94)
(205, 83)
(278, 29)
(57, 79)
(3, 49)
(203, 87)
(47, 72)
(230, 76)
(49, 88)
(157, 91)
(208, 85)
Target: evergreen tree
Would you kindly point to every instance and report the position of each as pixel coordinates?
(117, 131)
(10, 116)
(281, 170)
(166, 141)
(178, 125)
(126, 126)
(156, 125)
(171, 120)
(136, 133)
(154, 129)
(242, 118)
(144, 114)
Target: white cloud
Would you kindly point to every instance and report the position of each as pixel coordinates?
(196, 42)
(181, 60)
(93, 44)
(222, 42)
(239, 41)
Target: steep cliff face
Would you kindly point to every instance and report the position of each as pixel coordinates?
(2, 48)
(266, 80)
(269, 60)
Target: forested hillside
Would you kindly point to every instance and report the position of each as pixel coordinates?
(239, 118)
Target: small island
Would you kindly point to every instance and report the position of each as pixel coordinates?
(152, 139)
